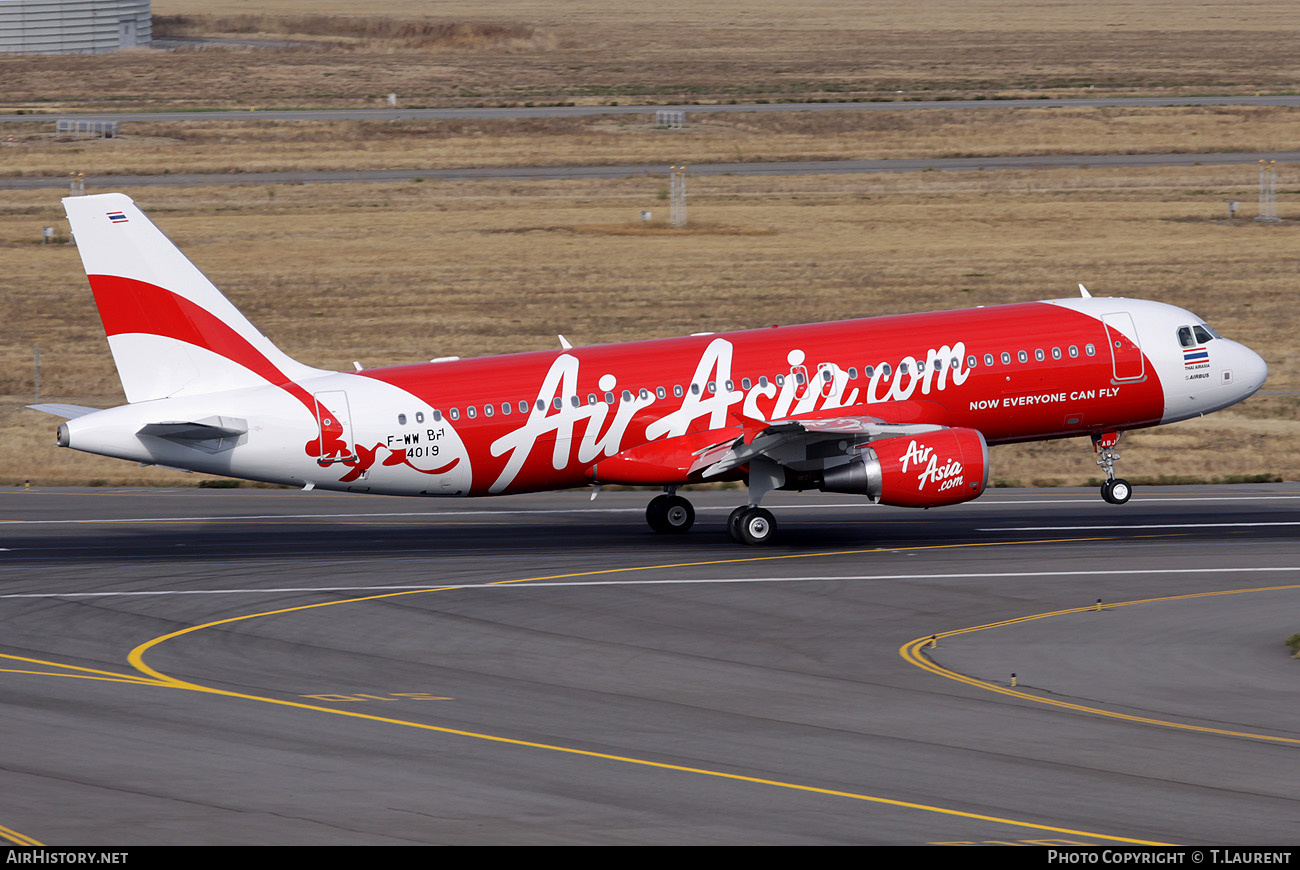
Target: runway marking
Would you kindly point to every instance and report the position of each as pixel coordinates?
(990, 500)
(1139, 526)
(136, 659)
(913, 651)
(541, 584)
(18, 839)
(83, 673)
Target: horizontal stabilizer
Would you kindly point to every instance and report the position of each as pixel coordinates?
(211, 434)
(71, 412)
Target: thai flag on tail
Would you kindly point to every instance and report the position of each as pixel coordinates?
(117, 217)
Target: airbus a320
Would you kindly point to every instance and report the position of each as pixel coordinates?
(899, 409)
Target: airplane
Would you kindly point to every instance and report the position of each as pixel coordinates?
(900, 409)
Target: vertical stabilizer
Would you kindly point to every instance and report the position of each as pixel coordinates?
(172, 332)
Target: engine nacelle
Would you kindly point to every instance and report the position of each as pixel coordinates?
(949, 466)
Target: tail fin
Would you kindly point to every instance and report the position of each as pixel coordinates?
(171, 330)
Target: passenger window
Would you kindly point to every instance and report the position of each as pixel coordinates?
(1056, 353)
(627, 396)
(505, 407)
(780, 380)
(488, 410)
(644, 394)
(677, 390)
(902, 368)
(591, 399)
(523, 406)
(1023, 356)
(762, 381)
(661, 392)
(401, 419)
(746, 383)
(472, 411)
(1090, 350)
(609, 398)
(454, 413)
(1039, 355)
(1006, 358)
(1074, 351)
(869, 372)
(886, 371)
(575, 401)
(437, 416)
(557, 402)
(541, 404)
(695, 389)
(713, 386)
(853, 373)
(988, 359)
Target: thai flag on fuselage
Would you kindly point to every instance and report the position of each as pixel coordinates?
(117, 217)
(1194, 355)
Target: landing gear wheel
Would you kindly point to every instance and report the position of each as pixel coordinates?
(1116, 491)
(679, 515)
(755, 527)
(670, 514)
(654, 513)
(733, 523)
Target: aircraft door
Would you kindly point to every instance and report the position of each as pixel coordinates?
(335, 420)
(1125, 353)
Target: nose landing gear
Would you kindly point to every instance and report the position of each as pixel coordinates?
(1115, 490)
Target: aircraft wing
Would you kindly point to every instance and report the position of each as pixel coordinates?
(796, 442)
(805, 443)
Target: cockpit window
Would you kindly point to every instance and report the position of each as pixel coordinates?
(1203, 334)
(1185, 336)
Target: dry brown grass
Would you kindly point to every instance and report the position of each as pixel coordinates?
(396, 273)
(349, 30)
(606, 50)
(207, 146)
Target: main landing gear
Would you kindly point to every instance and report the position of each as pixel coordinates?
(1115, 490)
(748, 524)
(670, 514)
(751, 525)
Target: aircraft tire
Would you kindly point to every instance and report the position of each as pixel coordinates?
(757, 527)
(1117, 491)
(656, 513)
(678, 515)
(733, 523)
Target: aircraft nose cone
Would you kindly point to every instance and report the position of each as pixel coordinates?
(1252, 371)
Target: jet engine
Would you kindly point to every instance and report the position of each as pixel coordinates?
(948, 466)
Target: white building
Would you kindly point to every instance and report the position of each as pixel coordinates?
(73, 26)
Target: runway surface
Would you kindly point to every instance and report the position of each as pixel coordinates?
(265, 666)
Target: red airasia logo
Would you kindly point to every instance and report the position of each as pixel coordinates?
(937, 468)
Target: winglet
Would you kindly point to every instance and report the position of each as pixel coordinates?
(1084, 291)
